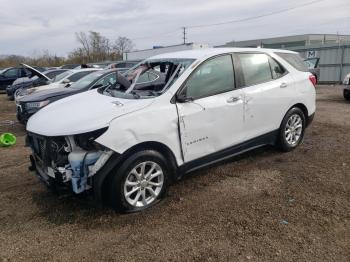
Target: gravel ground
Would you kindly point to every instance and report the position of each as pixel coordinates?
(261, 206)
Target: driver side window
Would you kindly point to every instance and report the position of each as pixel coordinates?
(213, 77)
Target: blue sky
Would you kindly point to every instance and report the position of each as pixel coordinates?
(27, 27)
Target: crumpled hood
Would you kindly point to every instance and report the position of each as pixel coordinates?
(82, 113)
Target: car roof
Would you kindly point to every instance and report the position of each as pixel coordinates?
(53, 70)
(84, 69)
(208, 52)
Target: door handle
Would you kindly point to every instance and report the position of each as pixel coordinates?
(283, 85)
(233, 99)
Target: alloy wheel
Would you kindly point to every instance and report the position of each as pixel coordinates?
(294, 129)
(143, 184)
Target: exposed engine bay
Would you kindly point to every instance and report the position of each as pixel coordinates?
(68, 161)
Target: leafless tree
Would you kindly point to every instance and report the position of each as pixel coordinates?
(93, 47)
(123, 44)
(83, 39)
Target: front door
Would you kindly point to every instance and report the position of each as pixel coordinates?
(213, 118)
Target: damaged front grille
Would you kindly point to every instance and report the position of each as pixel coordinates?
(38, 145)
(49, 150)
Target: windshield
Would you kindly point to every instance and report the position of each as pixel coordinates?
(61, 76)
(149, 78)
(87, 80)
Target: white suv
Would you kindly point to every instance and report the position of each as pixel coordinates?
(126, 141)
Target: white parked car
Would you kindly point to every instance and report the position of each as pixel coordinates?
(126, 144)
(62, 80)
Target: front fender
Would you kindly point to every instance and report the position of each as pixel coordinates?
(156, 123)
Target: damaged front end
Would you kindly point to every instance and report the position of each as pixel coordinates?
(68, 161)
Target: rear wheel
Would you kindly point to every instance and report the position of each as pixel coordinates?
(140, 182)
(292, 129)
(346, 94)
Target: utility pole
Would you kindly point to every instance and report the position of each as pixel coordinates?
(184, 34)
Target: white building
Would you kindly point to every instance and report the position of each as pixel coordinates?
(143, 54)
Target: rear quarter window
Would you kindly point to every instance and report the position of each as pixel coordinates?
(294, 60)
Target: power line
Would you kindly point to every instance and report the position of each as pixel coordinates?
(256, 17)
(155, 36)
(184, 32)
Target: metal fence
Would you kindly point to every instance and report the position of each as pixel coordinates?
(334, 61)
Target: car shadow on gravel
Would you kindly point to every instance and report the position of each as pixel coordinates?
(60, 209)
(67, 208)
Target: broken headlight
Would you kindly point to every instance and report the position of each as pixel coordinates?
(87, 142)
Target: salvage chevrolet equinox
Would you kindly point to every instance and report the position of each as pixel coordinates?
(125, 142)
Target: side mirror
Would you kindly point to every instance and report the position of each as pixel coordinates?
(66, 81)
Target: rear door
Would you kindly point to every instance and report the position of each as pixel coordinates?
(268, 92)
(212, 119)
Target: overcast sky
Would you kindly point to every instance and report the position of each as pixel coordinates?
(27, 27)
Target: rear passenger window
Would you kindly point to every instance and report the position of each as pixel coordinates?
(255, 68)
(276, 69)
(213, 77)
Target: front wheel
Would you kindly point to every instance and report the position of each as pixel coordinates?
(140, 182)
(292, 129)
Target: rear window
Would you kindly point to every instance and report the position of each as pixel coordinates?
(294, 60)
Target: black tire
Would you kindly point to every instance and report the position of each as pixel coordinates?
(346, 94)
(116, 190)
(284, 145)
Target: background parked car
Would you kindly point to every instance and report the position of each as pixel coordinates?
(62, 80)
(30, 104)
(312, 65)
(9, 75)
(124, 65)
(33, 78)
(346, 86)
(70, 66)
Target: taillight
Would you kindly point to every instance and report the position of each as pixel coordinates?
(313, 79)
